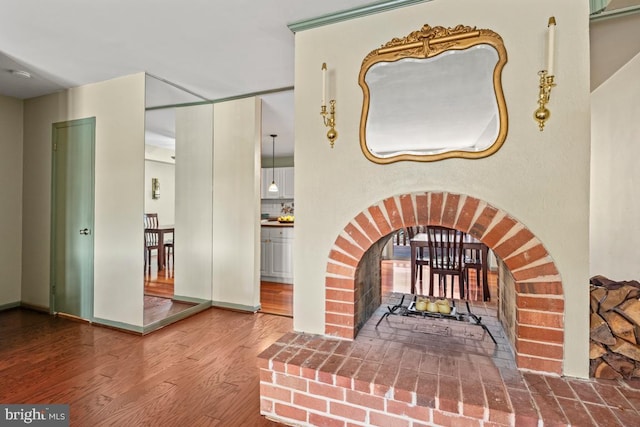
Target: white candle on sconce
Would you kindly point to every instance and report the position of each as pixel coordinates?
(551, 40)
(324, 84)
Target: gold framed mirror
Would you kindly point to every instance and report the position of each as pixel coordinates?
(434, 94)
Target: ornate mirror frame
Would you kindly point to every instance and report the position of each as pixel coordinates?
(433, 47)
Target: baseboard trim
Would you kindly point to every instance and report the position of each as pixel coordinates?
(236, 307)
(182, 298)
(34, 307)
(10, 305)
(120, 326)
(204, 305)
(73, 318)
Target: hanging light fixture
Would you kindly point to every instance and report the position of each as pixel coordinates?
(273, 188)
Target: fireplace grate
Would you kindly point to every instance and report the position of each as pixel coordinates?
(409, 310)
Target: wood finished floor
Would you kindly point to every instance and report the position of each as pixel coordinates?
(275, 298)
(158, 294)
(158, 284)
(200, 371)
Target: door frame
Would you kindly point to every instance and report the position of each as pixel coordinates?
(52, 265)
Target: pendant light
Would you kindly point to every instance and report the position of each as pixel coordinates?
(273, 188)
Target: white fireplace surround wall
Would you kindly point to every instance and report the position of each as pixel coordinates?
(540, 178)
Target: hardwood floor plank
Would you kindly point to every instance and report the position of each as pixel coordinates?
(276, 298)
(199, 371)
(159, 283)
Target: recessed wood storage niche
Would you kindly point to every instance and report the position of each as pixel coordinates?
(434, 94)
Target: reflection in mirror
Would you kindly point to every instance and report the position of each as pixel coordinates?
(161, 99)
(434, 94)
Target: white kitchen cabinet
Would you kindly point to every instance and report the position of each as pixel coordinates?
(284, 178)
(287, 183)
(276, 258)
(265, 251)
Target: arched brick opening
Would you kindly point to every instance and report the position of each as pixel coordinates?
(539, 299)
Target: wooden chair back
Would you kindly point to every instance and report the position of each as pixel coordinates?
(150, 239)
(446, 256)
(151, 220)
(473, 261)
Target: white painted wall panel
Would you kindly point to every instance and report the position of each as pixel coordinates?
(615, 175)
(236, 203)
(541, 178)
(11, 197)
(194, 199)
(118, 106)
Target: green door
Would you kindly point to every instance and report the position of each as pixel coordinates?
(72, 218)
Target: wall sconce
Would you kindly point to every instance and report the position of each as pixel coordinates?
(542, 114)
(155, 188)
(329, 117)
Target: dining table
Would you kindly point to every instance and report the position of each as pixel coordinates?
(161, 230)
(421, 240)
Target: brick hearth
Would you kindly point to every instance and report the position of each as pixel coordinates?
(411, 372)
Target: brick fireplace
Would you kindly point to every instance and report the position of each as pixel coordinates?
(535, 304)
(331, 380)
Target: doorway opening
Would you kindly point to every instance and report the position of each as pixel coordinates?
(277, 201)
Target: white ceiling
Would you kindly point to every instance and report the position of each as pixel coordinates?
(214, 49)
(277, 118)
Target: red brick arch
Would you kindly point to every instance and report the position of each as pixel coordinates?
(539, 328)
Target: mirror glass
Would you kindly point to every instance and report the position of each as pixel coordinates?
(434, 100)
(163, 100)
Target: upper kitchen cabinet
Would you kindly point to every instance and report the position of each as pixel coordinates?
(287, 183)
(284, 178)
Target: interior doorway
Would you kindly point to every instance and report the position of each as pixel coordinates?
(72, 218)
(277, 200)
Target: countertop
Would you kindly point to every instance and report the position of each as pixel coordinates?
(268, 223)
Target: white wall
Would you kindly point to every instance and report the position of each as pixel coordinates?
(194, 199)
(218, 203)
(236, 204)
(11, 196)
(615, 175)
(540, 178)
(118, 106)
(165, 205)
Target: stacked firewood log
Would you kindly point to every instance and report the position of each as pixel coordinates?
(614, 350)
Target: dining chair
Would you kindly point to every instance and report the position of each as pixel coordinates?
(150, 244)
(422, 253)
(150, 238)
(151, 220)
(473, 261)
(445, 258)
(400, 238)
(168, 252)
